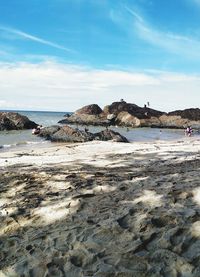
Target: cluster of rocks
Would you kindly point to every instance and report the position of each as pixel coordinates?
(69, 134)
(15, 121)
(118, 113)
(131, 115)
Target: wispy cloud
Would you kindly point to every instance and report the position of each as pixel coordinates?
(174, 43)
(22, 35)
(136, 15)
(195, 2)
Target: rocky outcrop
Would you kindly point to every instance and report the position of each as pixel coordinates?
(69, 134)
(131, 115)
(181, 119)
(110, 135)
(65, 134)
(15, 121)
(190, 114)
(86, 119)
(128, 120)
(132, 109)
(92, 109)
(173, 121)
(118, 113)
(88, 115)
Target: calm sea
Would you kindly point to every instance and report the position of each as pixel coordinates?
(11, 139)
(24, 137)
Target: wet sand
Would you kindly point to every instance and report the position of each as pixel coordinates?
(101, 209)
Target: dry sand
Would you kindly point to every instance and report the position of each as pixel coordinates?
(101, 209)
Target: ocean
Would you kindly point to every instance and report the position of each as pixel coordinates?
(13, 139)
(25, 138)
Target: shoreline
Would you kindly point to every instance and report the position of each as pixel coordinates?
(24, 139)
(51, 152)
(101, 208)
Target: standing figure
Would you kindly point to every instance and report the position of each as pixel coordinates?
(188, 131)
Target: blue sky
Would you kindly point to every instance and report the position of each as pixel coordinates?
(96, 51)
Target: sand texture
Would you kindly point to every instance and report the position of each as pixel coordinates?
(101, 209)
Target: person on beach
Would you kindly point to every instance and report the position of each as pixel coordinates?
(188, 131)
(36, 131)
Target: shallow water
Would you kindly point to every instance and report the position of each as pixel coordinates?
(25, 137)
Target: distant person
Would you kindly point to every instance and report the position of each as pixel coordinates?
(188, 131)
(148, 104)
(36, 130)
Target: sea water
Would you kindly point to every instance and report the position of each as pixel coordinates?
(25, 138)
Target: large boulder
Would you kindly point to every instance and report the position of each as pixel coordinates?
(176, 121)
(132, 109)
(128, 120)
(131, 115)
(117, 107)
(65, 134)
(190, 114)
(15, 121)
(118, 113)
(69, 134)
(86, 119)
(110, 135)
(153, 122)
(92, 109)
(88, 115)
(47, 132)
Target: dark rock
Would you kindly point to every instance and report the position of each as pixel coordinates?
(65, 134)
(110, 135)
(47, 132)
(118, 113)
(177, 122)
(191, 114)
(85, 119)
(140, 113)
(67, 114)
(69, 134)
(92, 109)
(15, 121)
(131, 115)
(88, 115)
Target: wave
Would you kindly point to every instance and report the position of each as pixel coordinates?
(21, 143)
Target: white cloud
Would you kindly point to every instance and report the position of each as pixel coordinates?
(58, 87)
(14, 33)
(9, 105)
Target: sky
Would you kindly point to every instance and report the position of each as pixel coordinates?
(59, 55)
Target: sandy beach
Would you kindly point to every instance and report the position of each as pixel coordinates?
(101, 209)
